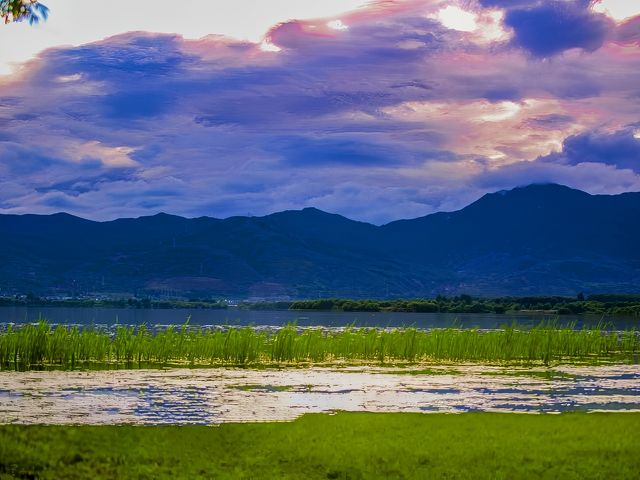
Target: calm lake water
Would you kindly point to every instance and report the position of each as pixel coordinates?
(234, 316)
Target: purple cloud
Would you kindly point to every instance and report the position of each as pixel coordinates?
(629, 31)
(620, 149)
(549, 28)
(508, 3)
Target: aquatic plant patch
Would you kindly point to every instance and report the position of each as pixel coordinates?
(41, 345)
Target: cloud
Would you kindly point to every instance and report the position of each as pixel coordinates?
(595, 161)
(19, 160)
(305, 151)
(507, 3)
(391, 115)
(594, 178)
(619, 149)
(549, 121)
(133, 105)
(629, 31)
(552, 27)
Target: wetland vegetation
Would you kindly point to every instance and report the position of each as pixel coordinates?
(346, 445)
(39, 345)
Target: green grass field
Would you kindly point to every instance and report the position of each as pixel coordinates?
(347, 445)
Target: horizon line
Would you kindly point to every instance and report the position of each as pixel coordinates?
(163, 213)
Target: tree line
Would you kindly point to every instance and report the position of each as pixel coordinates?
(597, 304)
(33, 300)
(623, 304)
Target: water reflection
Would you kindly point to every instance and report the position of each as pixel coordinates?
(234, 316)
(210, 396)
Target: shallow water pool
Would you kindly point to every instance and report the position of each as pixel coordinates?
(216, 395)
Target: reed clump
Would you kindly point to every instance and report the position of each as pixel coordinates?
(41, 344)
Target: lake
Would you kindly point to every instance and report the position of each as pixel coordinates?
(226, 394)
(236, 316)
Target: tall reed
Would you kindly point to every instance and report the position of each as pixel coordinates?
(43, 345)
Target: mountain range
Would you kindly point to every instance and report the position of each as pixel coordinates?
(533, 240)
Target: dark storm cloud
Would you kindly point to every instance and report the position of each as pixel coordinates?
(553, 27)
(304, 152)
(22, 160)
(79, 185)
(128, 57)
(620, 149)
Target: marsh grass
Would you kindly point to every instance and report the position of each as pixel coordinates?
(41, 345)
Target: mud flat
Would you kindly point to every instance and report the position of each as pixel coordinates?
(212, 396)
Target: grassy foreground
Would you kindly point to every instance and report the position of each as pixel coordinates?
(40, 345)
(347, 445)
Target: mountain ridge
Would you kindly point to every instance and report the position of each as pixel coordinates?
(537, 239)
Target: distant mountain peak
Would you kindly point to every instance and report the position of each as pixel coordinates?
(538, 187)
(541, 238)
(535, 192)
(547, 187)
(306, 212)
(162, 215)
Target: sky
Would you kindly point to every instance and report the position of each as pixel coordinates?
(374, 110)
